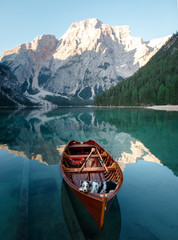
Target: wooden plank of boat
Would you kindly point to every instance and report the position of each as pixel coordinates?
(99, 166)
(92, 169)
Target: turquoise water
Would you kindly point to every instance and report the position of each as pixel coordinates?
(36, 204)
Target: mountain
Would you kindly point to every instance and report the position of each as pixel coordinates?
(10, 90)
(155, 83)
(88, 59)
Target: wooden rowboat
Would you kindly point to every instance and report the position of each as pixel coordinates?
(89, 161)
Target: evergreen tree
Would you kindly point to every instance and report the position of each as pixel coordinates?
(161, 94)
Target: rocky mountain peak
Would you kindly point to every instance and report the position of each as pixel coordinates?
(46, 41)
(89, 58)
(88, 23)
(42, 42)
(122, 32)
(90, 35)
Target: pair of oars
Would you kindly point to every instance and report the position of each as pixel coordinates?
(92, 150)
(100, 159)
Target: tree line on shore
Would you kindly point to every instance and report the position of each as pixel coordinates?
(155, 83)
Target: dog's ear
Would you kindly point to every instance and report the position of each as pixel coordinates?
(81, 182)
(90, 183)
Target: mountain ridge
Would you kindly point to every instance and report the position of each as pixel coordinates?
(88, 59)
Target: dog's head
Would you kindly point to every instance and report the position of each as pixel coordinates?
(85, 186)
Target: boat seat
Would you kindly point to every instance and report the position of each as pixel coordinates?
(82, 146)
(84, 156)
(104, 154)
(89, 169)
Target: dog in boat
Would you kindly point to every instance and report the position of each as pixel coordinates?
(97, 187)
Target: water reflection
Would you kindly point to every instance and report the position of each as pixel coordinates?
(31, 200)
(138, 151)
(129, 135)
(80, 223)
(157, 130)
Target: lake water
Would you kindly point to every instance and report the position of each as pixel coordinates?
(36, 204)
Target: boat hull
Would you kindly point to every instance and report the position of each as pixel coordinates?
(95, 206)
(80, 223)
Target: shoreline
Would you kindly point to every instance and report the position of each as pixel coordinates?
(154, 107)
(163, 107)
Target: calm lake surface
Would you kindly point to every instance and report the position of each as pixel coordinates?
(36, 204)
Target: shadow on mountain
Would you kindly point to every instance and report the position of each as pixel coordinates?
(80, 84)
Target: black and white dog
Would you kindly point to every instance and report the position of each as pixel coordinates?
(97, 187)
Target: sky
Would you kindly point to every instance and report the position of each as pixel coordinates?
(23, 20)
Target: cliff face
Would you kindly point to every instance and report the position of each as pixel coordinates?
(10, 89)
(89, 58)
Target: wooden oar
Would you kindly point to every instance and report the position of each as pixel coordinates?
(101, 160)
(92, 150)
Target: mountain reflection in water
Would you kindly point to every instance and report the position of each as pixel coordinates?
(41, 135)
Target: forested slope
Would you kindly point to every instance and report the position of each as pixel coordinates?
(155, 83)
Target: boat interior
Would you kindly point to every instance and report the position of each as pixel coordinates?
(89, 162)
